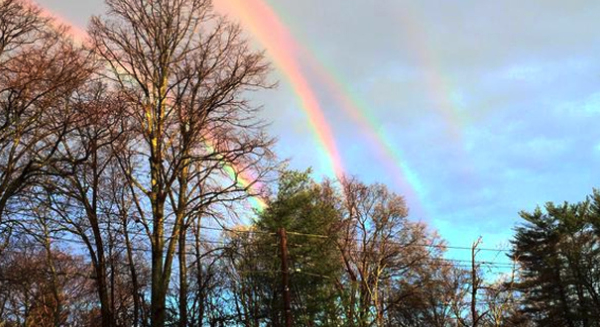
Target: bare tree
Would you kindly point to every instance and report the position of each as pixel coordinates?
(83, 184)
(183, 71)
(43, 286)
(379, 248)
(501, 299)
(39, 72)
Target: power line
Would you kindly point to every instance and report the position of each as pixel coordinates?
(321, 236)
(455, 262)
(313, 235)
(119, 247)
(419, 263)
(441, 246)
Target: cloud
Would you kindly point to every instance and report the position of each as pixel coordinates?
(588, 107)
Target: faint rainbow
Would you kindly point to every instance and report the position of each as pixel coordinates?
(233, 172)
(244, 181)
(391, 155)
(439, 86)
(78, 34)
(281, 48)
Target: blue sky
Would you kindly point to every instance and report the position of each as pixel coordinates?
(493, 104)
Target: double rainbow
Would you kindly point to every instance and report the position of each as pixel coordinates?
(267, 27)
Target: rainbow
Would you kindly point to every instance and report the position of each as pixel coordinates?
(439, 89)
(244, 181)
(393, 158)
(241, 177)
(267, 27)
(233, 172)
(280, 46)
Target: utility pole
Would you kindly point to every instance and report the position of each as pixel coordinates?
(475, 282)
(285, 277)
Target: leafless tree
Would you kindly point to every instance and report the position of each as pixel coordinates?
(194, 136)
(83, 184)
(39, 71)
(379, 247)
(42, 287)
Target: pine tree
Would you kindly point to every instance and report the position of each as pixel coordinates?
(558, 254)
(307, 211)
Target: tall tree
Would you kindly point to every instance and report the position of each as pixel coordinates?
(84, 183)
(308, 212)
(183, 71)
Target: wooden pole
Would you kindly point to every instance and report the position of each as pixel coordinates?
(285, 278)
(475, 281)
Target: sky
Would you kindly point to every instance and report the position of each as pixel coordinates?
(473, 110)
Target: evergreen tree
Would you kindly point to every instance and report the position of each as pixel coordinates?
(558, 254)
(307, 211)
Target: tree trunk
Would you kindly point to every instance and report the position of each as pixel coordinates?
(134, 281)
(158, 296)
(57, 309)
(183, 286)
(101, 285)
